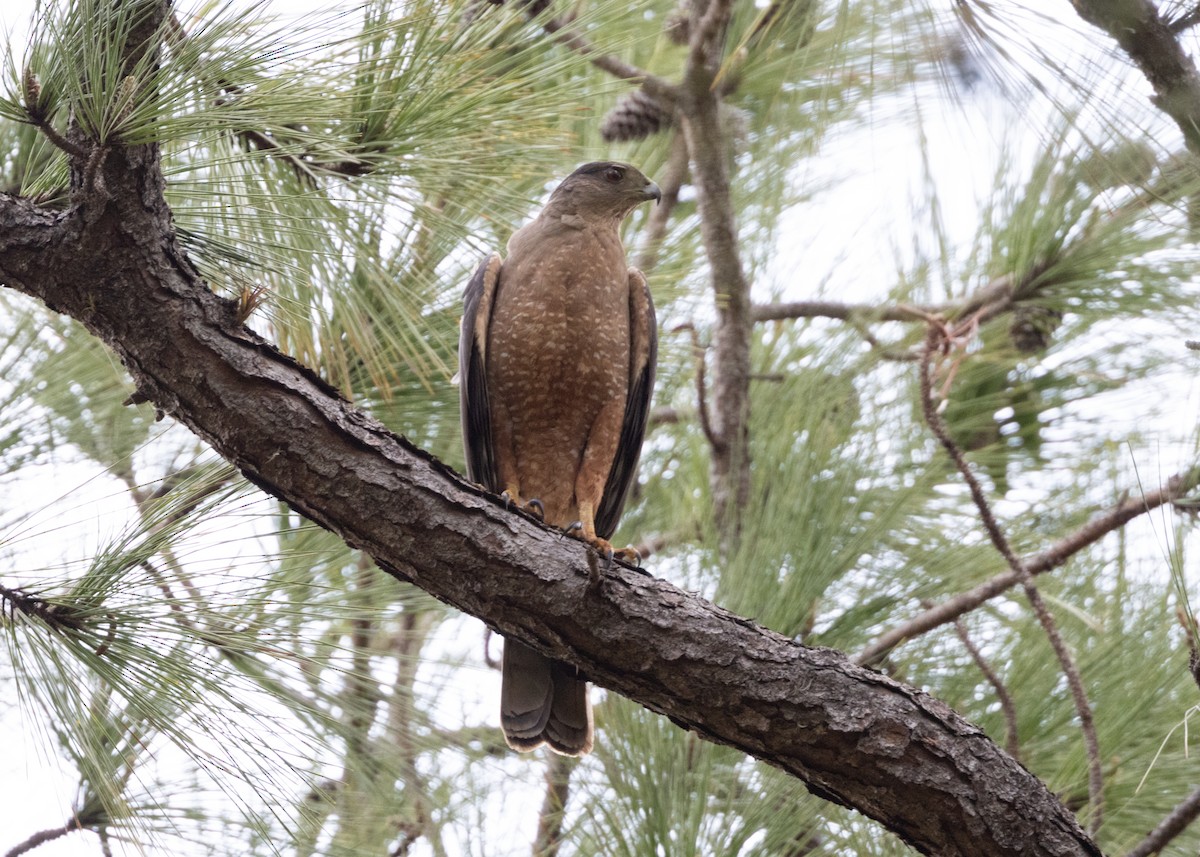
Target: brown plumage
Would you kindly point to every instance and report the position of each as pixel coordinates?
(556, 365)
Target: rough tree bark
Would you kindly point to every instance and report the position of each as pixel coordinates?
(699, 105)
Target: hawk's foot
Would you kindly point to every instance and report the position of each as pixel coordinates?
(603, 547)
(532, 507)
(629, 555)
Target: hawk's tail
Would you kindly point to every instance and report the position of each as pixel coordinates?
(543, 701)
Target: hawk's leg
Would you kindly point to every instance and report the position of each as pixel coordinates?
(594, 468)
(506, 466)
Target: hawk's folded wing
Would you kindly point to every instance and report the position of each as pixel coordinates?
(472, 378)
(643, 354)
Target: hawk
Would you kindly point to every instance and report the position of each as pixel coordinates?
(556, 367)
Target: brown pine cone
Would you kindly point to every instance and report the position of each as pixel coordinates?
(634, 116)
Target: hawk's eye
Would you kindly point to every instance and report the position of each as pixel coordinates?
(614, 174)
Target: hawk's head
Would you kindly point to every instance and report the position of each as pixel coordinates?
(605, 189)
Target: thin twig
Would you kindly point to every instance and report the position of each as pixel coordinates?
(59, 141)
(666, 416)
(550, 820)
(706, 31)
(990, 300)
(698, 350)
(1185, 21)
(35, 113)
(361, 693)
(1048, 560)
(491, 660)
(788, 310)
(304, 163)
(105, 846)
(671, 179)
(56, 615)
(887, 352)
(652, 545)
(1083, 709)
(143, 502)
(1012, 740)
(406, 646)
(1174, 824)
(42, 837)
(562, 31)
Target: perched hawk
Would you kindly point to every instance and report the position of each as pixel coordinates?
(556, 365)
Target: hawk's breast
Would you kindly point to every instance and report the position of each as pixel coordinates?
(559, 348)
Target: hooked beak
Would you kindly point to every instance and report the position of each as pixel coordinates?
(652, 191)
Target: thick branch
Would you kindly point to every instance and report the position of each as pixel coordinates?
(1149, 41)
(699, 107)
(856, 737)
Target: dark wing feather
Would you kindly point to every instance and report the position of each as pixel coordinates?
(472, 375)
(643, 356)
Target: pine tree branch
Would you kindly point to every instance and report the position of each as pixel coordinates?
(57, 615)
(1149, 41)
(406, 646)
(1048, 560)
(42, 837)
(699, 353)
(1175, 823)
(988, 302)
(565, 34)
(550, 819)
(663, 416)
(670, 182)
(707, 145)
(1185, 21)
(1012, 741)
(105, 845)
(854, 736)
(706, 33)
(790, 310)
(934, 339)
(303, 161)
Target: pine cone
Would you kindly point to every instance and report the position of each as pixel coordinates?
(634, 116)
(1032, 327)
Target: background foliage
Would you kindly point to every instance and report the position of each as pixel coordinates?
(216, 675)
